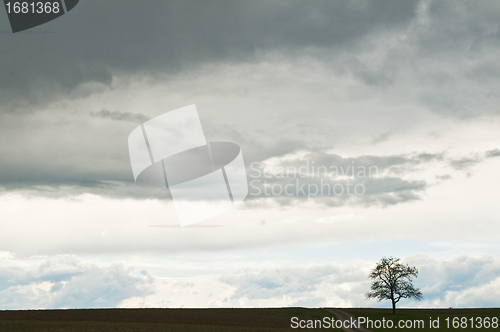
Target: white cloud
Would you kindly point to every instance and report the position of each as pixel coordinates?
(68, 282)
(320, 285)
(459, 282)
(6, 255)
(65, 282)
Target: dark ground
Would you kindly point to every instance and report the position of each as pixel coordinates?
(124, 320)
(220, 320)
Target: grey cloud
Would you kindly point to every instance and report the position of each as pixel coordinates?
(366, 192)
(120, 116)
(466, 163)
(392, 163)
(444, 177)
(492, 153)
(111, 176)
(75, 152)
(380, 178)
(372, 180)
(382, 137)
(421, 65)
(463, 85)
(72, 153)
(100, 39)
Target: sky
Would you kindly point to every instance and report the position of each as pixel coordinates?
(397, 101)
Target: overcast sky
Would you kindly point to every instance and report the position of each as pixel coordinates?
(408, 88)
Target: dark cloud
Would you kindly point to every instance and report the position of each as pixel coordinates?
(335, 181)
(456, 52)
(120, 116)
(443, 56)
(100, 39)
(365, 180)
(327, 178)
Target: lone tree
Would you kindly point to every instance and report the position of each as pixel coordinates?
(393, 281)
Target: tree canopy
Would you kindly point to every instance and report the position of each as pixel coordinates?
(393, 281)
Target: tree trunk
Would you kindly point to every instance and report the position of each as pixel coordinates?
(393, 307)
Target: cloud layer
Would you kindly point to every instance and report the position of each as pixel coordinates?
(65, 282)
(177, 34)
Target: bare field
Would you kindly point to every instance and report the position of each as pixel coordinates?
(271, 319)
(208, 320)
